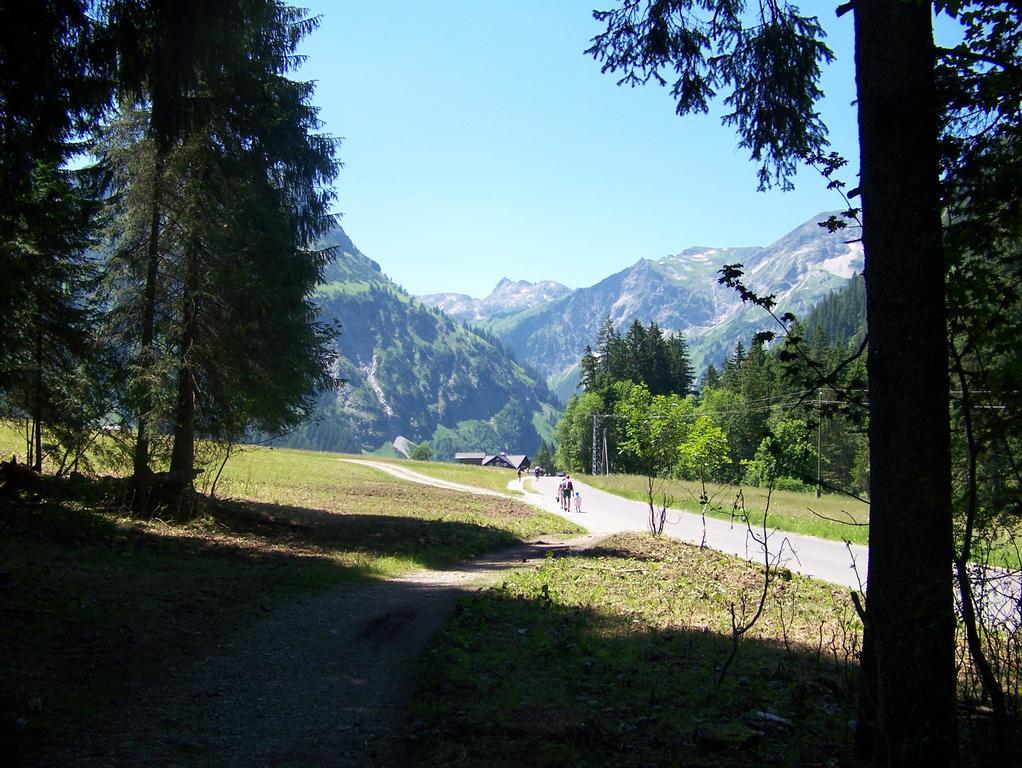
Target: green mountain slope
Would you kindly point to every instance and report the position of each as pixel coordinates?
(415, 372)
(681, 294)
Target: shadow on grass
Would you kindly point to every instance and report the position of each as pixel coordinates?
(428, 543)
(516, 681)
(92, 603)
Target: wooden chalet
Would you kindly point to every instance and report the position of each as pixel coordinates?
(517, 461)
(510, 461)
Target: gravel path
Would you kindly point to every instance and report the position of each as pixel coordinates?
(319, 682)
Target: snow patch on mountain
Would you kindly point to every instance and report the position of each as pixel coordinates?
(507, 296)
(844, 265)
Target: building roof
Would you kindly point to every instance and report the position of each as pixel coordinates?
(469, 455)
(515, 461)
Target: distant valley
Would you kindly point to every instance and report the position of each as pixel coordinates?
(491, 374)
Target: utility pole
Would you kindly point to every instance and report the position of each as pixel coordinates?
(819, 443)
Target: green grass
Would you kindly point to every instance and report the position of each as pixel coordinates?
(838, 518)
(612, 657)
(12, 442)
(94, 600)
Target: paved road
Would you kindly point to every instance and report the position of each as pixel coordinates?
(604, 514)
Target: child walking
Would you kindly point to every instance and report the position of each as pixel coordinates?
(578, 501)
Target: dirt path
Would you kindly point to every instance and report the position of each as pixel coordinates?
(414, 477)
(319, 682)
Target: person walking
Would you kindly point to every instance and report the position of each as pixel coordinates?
(578, 502)
(569, 489)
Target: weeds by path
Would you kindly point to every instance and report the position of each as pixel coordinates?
(611, 657)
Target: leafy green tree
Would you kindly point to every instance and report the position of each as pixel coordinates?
(574, 433)
(704, 453)
(422, 452)
(785, 459)
(730, 412)
(655, 428)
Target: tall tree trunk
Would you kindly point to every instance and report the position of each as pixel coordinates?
(140, 467)
(37, 395)
(910, 695)
(182, 459)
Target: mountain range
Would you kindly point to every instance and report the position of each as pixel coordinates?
(548, 325)
(490, 374)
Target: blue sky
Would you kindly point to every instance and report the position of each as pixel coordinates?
(479, 142)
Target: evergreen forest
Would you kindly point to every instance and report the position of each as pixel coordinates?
(766, 426)
(166, 182)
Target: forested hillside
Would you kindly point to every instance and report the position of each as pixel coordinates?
(840, 318)
(411, 370)
(753, 421)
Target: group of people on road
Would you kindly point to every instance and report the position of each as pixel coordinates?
(566, 492)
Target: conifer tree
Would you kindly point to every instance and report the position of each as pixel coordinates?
(54, 83)
(54, 379)
(221, 195)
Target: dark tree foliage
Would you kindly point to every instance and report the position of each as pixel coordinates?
(55, 377)
(53, 84)
(840, 318)
(769, 69)
(216, 212)
(980, 81)
(642, 356)
(544, 457)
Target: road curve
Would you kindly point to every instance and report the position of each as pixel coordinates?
(416, 477)
(604, 514)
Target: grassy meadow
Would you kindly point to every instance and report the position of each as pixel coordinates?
(609, 656)
(85, 586)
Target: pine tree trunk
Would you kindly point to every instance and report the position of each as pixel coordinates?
(908, 713)
(182, 459)
(37, 396)
(141, 467)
